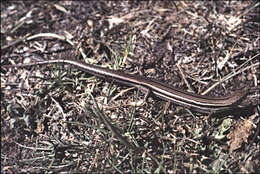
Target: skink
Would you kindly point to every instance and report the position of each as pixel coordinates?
(199, 103)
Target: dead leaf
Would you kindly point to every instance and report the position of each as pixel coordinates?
(240, 134)
(40, 127)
